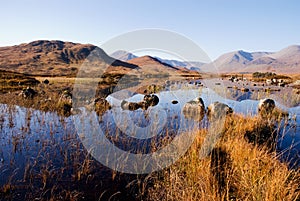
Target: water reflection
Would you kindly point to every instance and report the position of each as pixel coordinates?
(35, 141)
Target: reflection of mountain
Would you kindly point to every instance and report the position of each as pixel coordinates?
(286, 61)
(148, 62)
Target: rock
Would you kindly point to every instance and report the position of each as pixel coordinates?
(174, 102)
(218, 110)
(46, 81)
(244, 89)
(148, 100)
(125, 105)
(151, 100)
(194, 109)
(28, 93)
(266, 106)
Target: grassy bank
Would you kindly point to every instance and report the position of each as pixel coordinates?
(235, 170)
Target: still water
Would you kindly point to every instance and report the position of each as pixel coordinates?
(35, 140)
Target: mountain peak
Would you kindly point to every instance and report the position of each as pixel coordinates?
(148, 60)
(123, 55)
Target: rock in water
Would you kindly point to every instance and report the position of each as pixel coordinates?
(266, 106)
(218, 110)
(194, 109)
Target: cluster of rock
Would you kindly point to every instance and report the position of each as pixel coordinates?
(148, 100)
(279, 82)
(195, 109)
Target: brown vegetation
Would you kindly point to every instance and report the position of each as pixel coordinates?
(236, 170)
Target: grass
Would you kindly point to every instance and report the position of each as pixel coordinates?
(11, 81)
(235, 170)
(242, 166)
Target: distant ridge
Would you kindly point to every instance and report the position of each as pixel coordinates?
(286, 60)
(52, 58)
(190, 65)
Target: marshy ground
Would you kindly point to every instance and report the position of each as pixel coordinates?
(42, 157)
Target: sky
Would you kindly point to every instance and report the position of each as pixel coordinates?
(216, 26)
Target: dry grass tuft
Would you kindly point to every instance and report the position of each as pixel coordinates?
(235, 170)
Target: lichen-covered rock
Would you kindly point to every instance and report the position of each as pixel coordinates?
(266, 106)
(194, 109)
(218, 110)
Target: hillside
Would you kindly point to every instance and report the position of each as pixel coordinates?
(150, 64)
(51, 58)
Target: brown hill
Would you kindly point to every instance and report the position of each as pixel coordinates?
(56, 58)
(152, 65)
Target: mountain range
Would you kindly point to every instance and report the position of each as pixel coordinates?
(190, 65)
(286, 60)
(59, 58)
(55, 57)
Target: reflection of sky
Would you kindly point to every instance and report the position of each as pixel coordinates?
(289, 142)
(32, 126)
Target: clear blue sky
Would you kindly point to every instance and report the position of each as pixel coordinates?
(216, 26)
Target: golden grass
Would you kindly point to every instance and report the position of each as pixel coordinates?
(248, 172)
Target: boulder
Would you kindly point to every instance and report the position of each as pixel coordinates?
(194, 109)
(46, 81)
(151, 100)
(266, 106)
(125, 105)
(174, 102)
(218, 110)
(28, 93)
(148, 100)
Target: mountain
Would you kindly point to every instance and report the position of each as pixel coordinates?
(233, 61)
(286, 60)
(59, 58)
(123, 55)
(54, 57)
(152, 64)
(191, 65)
